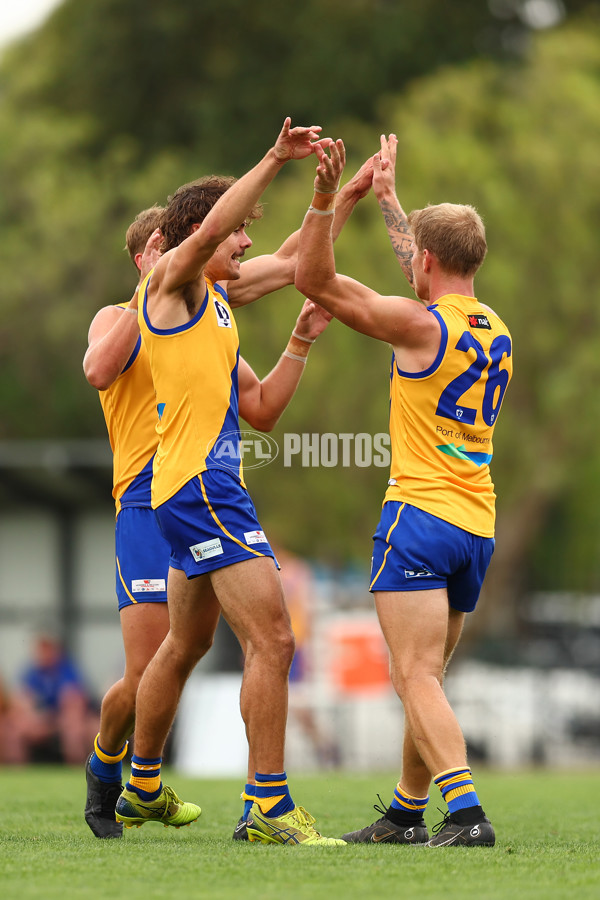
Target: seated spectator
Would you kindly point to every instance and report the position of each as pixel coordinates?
(50, 716)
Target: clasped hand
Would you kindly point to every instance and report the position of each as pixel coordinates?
(298, 142)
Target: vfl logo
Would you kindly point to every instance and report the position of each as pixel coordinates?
(223, 314)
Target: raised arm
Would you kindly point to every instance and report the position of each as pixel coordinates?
(270, 272)
(187, 261)
(399, 321)
(261, 403)
(384, 188)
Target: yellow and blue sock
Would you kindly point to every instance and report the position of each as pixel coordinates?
(406, 809)
(107, 767)
(272, 794)
(145, 777)
(249, 797)
(459, 793)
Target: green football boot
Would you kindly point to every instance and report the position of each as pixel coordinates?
(167, 808)
(295, 827)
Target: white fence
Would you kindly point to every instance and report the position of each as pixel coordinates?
(342, 714)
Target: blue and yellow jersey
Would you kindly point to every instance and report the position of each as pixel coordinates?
(442, 419)
(129, 407)
(195, 371)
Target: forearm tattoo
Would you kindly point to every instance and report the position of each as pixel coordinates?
(400, 236)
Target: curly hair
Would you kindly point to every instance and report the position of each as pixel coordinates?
(191, 203)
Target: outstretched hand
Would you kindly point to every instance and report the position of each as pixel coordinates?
(312, 321)
(296, 143)
(330, 167)
(362, 181)
(384, 165)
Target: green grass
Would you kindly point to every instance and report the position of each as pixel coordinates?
(548, 844)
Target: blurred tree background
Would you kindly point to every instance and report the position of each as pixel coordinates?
(114, 103)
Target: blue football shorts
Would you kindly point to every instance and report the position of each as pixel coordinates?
(415, 551)
(211, 523)
(142, 557)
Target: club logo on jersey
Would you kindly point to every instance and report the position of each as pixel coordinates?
(478, 320)
(207, 549)
(223, 314)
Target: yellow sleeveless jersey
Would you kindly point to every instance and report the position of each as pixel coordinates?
(129, 407)
(442, 420)
(195, 373)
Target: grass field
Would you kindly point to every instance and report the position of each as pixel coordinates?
(547, 825)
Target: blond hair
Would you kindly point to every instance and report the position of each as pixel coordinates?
(136, 237)
(454, 233)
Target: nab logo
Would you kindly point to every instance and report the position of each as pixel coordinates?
(477, 320)
(223, 314)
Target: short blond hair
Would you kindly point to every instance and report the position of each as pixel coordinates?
(136, 237)
(454, 233)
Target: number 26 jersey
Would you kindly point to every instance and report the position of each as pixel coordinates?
(442, 419)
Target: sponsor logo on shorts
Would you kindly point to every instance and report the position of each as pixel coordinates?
(207, 549)
(148, 585)
(255, 537)
(417, 573)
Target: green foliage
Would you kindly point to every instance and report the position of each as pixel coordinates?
(496, 137)
(62, 217)
(116, 102)
(214, 75)
(517, 142)
(546, 843)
